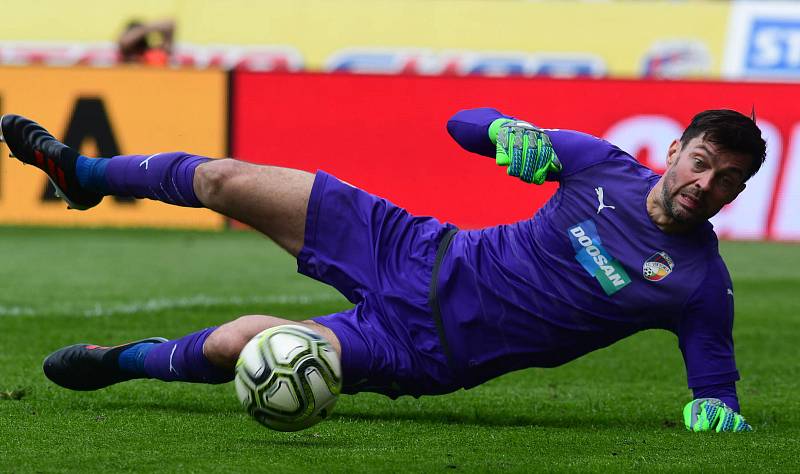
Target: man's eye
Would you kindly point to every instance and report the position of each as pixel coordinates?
(726, 182)
(698, 163)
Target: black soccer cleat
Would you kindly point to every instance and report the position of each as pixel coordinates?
(33, 145)
(89, 367)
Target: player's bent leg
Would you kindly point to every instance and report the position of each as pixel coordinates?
(82, 181)
(271, 199)
(91, 367)
(223, 346)
(205, 356)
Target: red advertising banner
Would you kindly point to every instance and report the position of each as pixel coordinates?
(387, 135)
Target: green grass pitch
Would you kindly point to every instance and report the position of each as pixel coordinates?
(615, 409)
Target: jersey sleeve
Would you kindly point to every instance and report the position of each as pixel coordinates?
(576, 150)
(470, 129)
(705, 331)
(724, 391)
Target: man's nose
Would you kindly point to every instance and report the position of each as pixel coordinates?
(704, 181)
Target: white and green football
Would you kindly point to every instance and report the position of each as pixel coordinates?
(288, 377)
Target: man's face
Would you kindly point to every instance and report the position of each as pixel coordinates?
(701, 179)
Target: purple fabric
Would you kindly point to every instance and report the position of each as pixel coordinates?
(725, 392)
(380, 257)
(470, 129)
(166, 177)
(182, 360)
(531, 293)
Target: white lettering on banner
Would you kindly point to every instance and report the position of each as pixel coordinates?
(776, 46)
(786, 224)
(747, 216)
(766, 50)
(648, 136)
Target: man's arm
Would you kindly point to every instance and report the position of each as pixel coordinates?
(525, 150)
(479, 131)
(705, 336)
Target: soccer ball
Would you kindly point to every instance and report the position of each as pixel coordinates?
(288, 377)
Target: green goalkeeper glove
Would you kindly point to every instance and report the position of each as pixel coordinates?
(706, 414)
(525, 149)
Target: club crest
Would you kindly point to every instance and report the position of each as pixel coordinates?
(658, 266)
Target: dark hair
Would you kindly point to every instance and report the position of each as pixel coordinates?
(131, 51)
(731, 132)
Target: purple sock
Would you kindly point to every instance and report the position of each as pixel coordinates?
(166, 177)
(182, 360)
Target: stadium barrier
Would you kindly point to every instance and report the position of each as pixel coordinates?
(387, 135)
(742, 40)
(398, 37)
(107, 112)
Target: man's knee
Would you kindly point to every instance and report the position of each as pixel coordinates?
(222, 347)
(325, 332)
(210, 178)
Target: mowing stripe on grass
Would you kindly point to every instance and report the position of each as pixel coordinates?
(161, 304)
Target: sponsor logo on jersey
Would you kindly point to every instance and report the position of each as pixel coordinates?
(658, 266)
(595, 259)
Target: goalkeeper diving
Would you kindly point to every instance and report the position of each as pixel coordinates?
(616, 250)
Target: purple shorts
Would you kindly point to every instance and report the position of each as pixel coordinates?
(381, 258)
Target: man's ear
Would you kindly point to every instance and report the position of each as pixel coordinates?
(673, 151)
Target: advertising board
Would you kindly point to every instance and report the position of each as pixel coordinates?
(387, 135)
(108, 112)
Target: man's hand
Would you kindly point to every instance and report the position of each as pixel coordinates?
(525, 149)
(706, 414)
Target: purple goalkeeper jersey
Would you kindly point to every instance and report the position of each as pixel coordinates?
(589, 269)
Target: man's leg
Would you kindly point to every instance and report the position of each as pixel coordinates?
(273, 200)
(205, 356)
(223, 346)
(270, 199)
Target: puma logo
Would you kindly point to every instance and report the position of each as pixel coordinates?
(602, 205)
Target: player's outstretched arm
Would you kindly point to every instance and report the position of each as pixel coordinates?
(705, 337)
(712, 414)
(524, 149)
